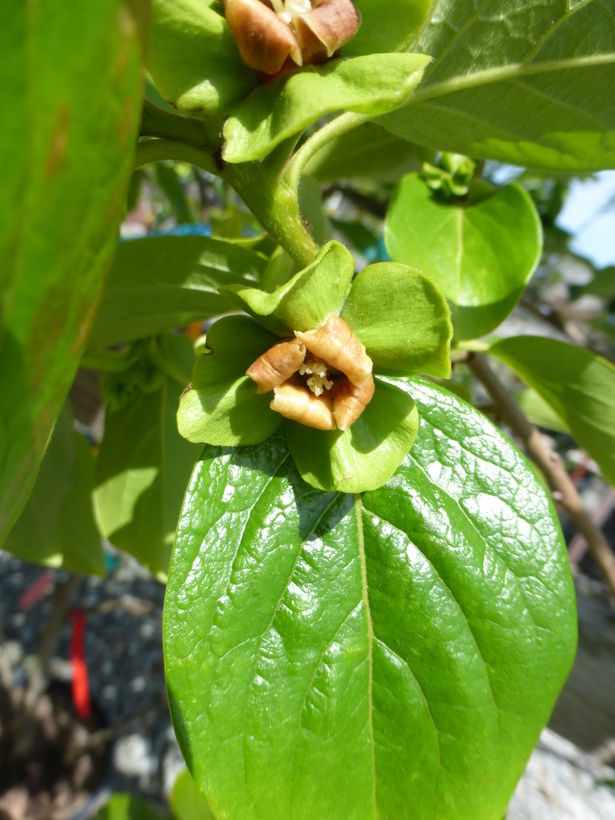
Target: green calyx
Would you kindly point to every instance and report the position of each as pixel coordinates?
(395, 312)
(195, 63)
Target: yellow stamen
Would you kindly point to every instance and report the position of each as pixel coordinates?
(319, 381)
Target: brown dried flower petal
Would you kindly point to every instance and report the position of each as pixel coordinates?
(336, 344)
(350, 401)
(325, 29)
(294, 402)
(277, 365)
(264, 41)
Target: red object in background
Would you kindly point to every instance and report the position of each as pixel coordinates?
(80, 681)
(36, 590)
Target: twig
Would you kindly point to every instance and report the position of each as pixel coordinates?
(550, 463)
(130, 605)
(60, 605)
(578, 545)
(97, 739)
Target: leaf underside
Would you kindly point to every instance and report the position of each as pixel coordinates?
(517, 81)
(331, 655)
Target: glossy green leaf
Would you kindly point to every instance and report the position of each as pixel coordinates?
(306, 300)
(364, 457)
(579, 386)
(193, 58)
(70, 105)
(366, 85)
(517, 81)
(386, 28)
(57, 526)
(390, 655)
(480, 252)
(164, 282)
(124, 806)
(223, 406)
(401, 318)
(367, 151)
(142, 470)
(186, 801)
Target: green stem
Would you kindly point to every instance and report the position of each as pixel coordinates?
(157, 150)
(158, 123)
(274, 203)
(340, 125)
(270, 199)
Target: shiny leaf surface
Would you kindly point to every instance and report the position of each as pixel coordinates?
(480, 252)
(519, 81)
(390, 654)
(70, 117)
(164, 282)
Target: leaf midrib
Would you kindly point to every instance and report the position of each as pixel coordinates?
(514, 71)
(358, 505)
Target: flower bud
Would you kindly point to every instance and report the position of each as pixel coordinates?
(336, 344)
(351, 401)
(277, 365)
(294, 402)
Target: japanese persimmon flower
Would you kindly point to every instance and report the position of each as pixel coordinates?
(271, 68)
(270, 32)
(326, 355)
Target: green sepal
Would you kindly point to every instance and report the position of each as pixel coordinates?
(373, 84)
(222, 407)
(194, 60)
(402, 319)
(364, 457)
(480, 251)
(306, 300)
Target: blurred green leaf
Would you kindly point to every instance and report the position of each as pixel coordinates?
(366, 85)
(57, 526)
(164, 282)
(123, 806)
(578, 386)
(71, 98)
(394, 654)
(538, 411)
(142, 470)
(171, 185)
(186, 801)
(522, 82)
(367, 151)
(480, 252)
